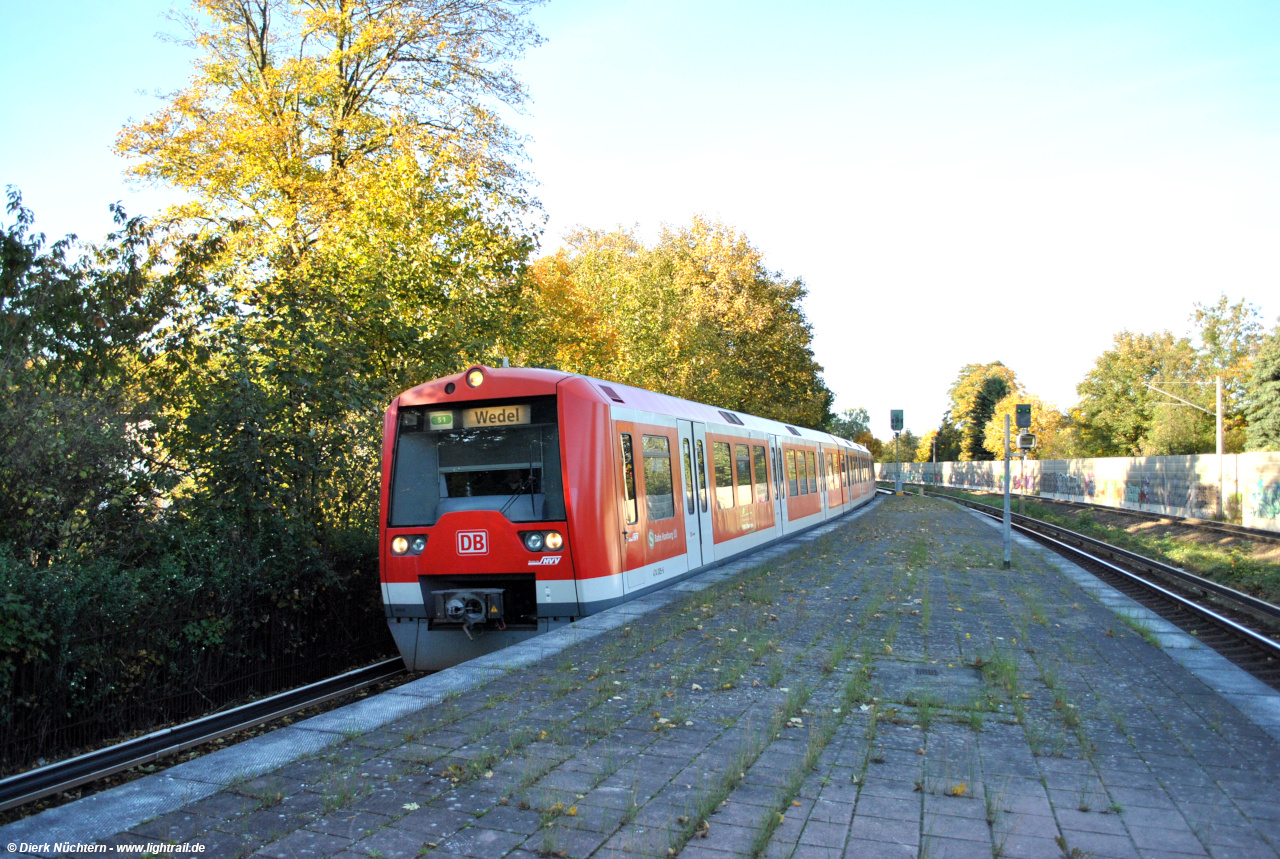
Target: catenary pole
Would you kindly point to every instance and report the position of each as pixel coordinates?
(1008, 558)
(1218, 433)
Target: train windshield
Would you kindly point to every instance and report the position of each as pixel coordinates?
(503, 457)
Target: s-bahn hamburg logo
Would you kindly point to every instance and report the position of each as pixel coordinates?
(658, 538)
(473, 542)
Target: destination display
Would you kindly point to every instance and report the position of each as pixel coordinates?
(495, 416)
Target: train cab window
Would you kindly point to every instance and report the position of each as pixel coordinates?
(813, 470)
(761, 464)
(448, 460)
(629, 480)
(702, 478)
(723, 464)
(686, 474)
(659, 492)
(742, 467)
(793, 483)
(804, 472)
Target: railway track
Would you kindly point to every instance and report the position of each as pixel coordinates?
(1226, 528)
(1243, 628)
(64, 775)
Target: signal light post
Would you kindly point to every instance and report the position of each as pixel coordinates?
(1008, 558)
(895, 421)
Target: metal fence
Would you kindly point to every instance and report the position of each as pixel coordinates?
(102, 684)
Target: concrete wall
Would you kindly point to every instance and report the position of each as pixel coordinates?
(1172, 485)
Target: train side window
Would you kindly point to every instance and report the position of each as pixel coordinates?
(687, 476)
(793, 484)
(702, 477)
(761, 464)
(629, 480)
(722, 462)
(742, 469)
(813, 469)
(659, 493)
(804, 472)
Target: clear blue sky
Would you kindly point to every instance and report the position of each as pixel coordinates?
(955, 182)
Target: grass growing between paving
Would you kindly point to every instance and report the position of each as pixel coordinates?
(759, 679)
(1236, 563)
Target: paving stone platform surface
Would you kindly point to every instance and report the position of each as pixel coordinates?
(880, 688)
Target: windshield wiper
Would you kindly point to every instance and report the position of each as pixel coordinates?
(525, 483)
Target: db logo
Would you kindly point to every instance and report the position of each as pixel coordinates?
(473, 542)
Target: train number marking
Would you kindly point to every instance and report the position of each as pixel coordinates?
(473, 542)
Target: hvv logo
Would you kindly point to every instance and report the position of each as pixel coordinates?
(473, 542)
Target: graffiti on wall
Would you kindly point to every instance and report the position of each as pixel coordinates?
(1264, 500)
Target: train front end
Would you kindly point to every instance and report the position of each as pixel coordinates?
(474, 549)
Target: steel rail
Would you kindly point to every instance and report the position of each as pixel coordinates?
(1230, 528)
(1253, 636)
(64, 775)
(1189, 522)
(1243, 600)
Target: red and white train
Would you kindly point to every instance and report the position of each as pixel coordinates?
(516, 500)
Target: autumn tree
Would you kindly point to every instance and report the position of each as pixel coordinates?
(1230, 336)
(697, 315)
(925, 448)
(1050, 426)
(1263, 395)
(370, 218)
(974, 395)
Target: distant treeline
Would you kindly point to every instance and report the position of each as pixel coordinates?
(1148, 395)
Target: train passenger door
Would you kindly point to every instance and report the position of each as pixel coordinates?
(700, 538)
(779, 485)
(822, 479)
(689, 492)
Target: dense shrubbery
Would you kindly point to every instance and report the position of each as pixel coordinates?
(164, 548)
(95, 647)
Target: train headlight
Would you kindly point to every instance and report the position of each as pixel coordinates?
(417, 544)
(533, 541)
(475, 378)
(554, 541)
(399, 546)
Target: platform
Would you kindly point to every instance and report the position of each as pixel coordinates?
(880, 688)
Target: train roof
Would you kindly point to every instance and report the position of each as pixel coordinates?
(516, 381)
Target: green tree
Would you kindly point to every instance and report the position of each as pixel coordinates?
(949, 440)
(1121, 416)
(904, 451)
(850, 423)
(1263, 395)
(974, 395)
(75, 429)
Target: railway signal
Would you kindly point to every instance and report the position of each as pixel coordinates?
(895, 422)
